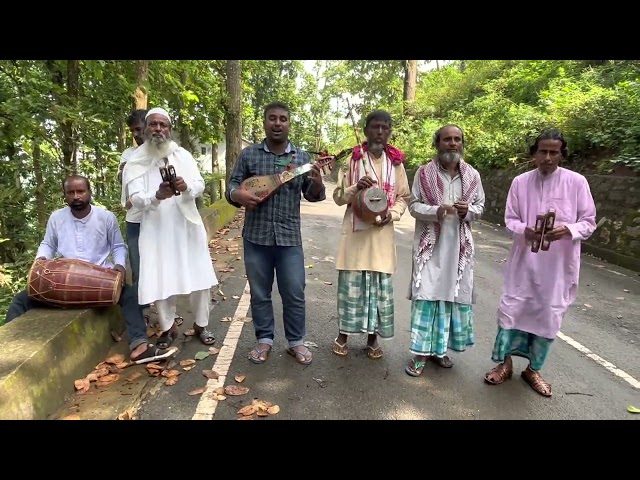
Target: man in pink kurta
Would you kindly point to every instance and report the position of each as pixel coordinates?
(540, 286)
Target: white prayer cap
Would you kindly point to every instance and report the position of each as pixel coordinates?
(159, 111)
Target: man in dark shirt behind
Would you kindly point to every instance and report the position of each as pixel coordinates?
(271, 235)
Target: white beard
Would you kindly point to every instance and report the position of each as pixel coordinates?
(160, 149)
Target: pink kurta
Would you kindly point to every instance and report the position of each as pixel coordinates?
(539, 287)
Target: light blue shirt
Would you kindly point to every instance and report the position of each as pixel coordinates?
(92, 238)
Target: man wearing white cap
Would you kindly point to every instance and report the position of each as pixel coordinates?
(174, 252)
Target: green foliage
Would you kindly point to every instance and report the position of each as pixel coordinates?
(500, 104)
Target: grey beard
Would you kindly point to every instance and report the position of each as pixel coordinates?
(375, 148)
(159, 147)
(450, 158)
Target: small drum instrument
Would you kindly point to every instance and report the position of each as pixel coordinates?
(370, 205)
(73, 283)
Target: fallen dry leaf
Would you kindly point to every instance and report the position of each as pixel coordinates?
(126, 415)
(249, 417)
(261, 404)
(133, 377)
(262, 413)
(235, 297)
(101, 372)
(201, 355)
(219, 391)
(122, 365)
(248, 410)
(328, 283)
(171, 373)
(107, 380)
(115, 359)
(171, 381)
(238, 258)
(210, 374)
(186, 363)
(186, 369)
(235, 390)
(190, 332)
(226, 319)
(92, 377)
(219, 397)
(198, 391)
(214, 350)
(273, 410)
(240, 378)
(100, 365)
(154, 369)
(82, 386)
(73, 416)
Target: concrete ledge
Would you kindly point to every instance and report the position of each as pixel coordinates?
(44, 351)
(217, 216)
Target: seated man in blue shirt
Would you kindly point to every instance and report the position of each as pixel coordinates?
(92, 234)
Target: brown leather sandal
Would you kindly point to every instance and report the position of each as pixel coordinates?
(374, 353)
(341, 350)
(535, 380)
(498, 374)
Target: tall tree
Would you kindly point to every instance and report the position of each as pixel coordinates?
(142, 80)
(410, 80)
(234, 115)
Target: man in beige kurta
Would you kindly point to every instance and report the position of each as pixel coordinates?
(366, 258)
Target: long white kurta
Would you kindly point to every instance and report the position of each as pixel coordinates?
(174, 253)
(440, 272)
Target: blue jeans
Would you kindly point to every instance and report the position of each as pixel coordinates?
(131, 312)
(288, 264)
(133, 234)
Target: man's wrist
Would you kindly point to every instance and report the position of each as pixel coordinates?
(231, 192)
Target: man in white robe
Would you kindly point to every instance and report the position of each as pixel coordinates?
(174, 252)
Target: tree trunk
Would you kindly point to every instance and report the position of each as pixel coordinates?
(410, 80)
(234, 116)
(122, 136)
(66, 126)
(215, 167)
(142, 77)
(37, 170)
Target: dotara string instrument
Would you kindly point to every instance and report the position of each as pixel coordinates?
(263, 186)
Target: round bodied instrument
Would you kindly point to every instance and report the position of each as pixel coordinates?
(370, 205)
(73, 283)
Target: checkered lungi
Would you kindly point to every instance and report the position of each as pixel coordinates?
(365, 303)
(521, 344)
(438, 325)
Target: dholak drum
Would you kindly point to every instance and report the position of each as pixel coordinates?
(370, 205)
(72, 283)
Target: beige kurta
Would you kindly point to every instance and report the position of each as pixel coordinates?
(373, 249)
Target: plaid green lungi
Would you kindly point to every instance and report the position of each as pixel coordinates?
(521, 344)
(365, 303)
(438, 325)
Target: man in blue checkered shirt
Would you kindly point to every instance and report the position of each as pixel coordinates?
(271, 235)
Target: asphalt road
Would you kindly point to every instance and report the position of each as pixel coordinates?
(594, 365)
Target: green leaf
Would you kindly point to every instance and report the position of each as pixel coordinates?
(201, 355)
(633, 409)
